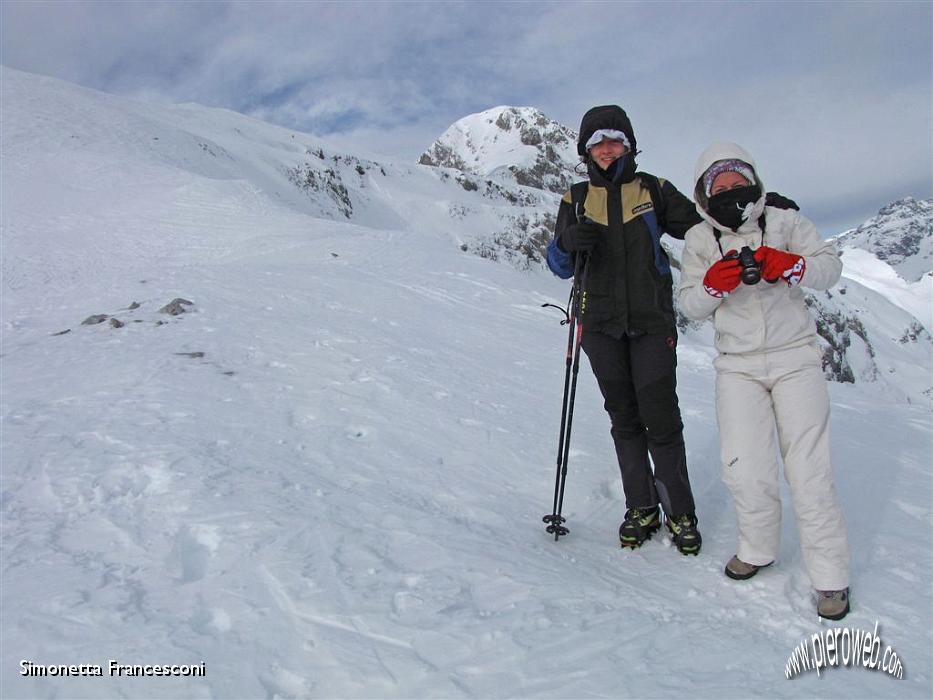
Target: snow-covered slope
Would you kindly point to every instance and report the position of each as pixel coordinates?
(326, 478)
(866, 339)
(493, 219)
(511, 144)
(876, 322)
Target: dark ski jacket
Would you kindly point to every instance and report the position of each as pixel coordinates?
(629, 288)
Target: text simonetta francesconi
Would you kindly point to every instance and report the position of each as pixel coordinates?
(111, 668)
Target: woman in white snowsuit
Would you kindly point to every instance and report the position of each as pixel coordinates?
(770, 391)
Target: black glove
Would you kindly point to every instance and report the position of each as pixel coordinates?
(779, 201)
(580, 237)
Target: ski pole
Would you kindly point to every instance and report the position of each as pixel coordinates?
(554, 520)
(579, 310)
(577, 306)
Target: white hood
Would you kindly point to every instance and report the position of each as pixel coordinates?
(726, 151)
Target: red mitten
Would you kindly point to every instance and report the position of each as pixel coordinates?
(723, 276)
(779, 264)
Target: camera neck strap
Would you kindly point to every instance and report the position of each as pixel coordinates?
(761, 225)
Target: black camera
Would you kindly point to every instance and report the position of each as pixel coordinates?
(751, 272)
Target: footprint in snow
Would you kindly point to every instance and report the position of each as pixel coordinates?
(193, 550)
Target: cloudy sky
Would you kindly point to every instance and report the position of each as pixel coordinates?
(834, 99)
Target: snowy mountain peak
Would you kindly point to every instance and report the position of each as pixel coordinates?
(901, 235)
(517, 144)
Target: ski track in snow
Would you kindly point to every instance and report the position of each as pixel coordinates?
(327, 478)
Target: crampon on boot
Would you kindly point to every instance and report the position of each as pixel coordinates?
(638, 526)
(684, 533)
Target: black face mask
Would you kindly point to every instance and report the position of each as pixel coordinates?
(727, 207)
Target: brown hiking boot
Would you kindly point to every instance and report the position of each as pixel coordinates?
(832, 605)
(739, 570)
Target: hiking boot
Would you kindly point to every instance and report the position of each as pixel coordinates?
(684, 532)
(739, 570)
(833, 605)
(638, 526)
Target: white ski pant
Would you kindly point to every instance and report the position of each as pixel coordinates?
(781, 394)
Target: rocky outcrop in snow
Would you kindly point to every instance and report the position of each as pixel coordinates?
(865, 338)
(901, 235)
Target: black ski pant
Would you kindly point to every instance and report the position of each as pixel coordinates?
(637, 376)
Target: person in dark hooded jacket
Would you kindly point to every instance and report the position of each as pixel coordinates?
(629, 329)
